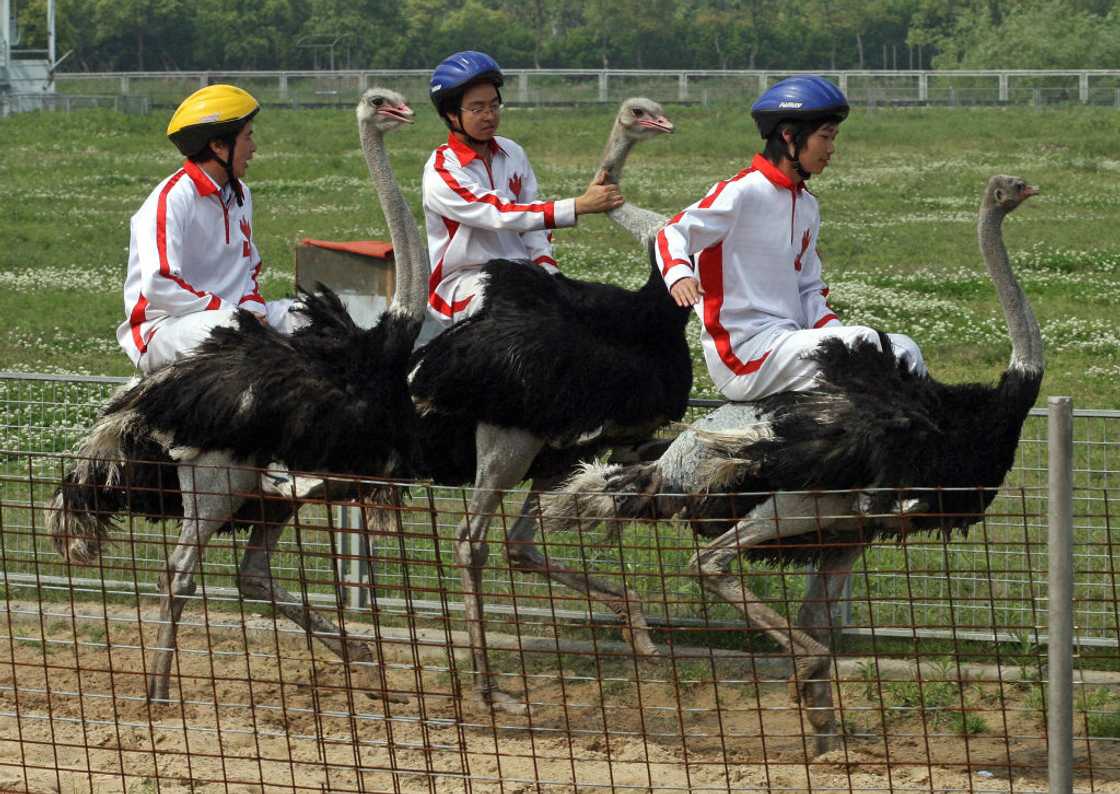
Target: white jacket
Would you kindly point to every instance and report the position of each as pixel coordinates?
(476, 212)
(191, 250)
(756, 237)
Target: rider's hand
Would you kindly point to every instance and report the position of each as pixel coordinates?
(686, 291)
(599, 197)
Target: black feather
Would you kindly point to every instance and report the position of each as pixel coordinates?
(561, 358)
(330, 397)
(874, 424)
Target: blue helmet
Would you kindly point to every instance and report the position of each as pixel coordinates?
(801, 98)
(457, 72)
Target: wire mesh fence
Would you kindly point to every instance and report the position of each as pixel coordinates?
(48, 414)
(255, 701)
(936, 674)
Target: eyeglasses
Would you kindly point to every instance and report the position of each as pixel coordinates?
(477, 110)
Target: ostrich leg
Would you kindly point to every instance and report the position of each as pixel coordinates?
(210, 496)
(783, 516)
(504, 457)
(524, 556)
(815, 617)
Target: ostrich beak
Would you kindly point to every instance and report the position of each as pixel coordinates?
(657, 124)
(402, 112)
(1030, 190)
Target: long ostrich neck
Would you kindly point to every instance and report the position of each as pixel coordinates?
(408, 252)
(1026, 338)
(615, 154)
(641, 223)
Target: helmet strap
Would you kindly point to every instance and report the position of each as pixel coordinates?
(795, 158)
(234, 182)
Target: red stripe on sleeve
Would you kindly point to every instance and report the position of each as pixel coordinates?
(490, 198)
(825, 320)
(545, 260)
(161, 244)
(667, 260)
(710, 199)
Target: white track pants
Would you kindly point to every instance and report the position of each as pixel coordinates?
(175, 337)
(786, 367)
(461, 296)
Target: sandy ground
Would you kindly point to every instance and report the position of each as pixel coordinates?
(260, 710)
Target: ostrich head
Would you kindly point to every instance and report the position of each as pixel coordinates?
(383, 110)
(640, 118)
(1007, 192)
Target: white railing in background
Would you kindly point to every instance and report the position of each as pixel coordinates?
(546, 86)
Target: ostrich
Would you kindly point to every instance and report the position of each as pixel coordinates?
(207, 419)
(330, 398)
(870, 424)
(546, 371)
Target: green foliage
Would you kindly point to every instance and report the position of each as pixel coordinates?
(978, 39)
(710, 34)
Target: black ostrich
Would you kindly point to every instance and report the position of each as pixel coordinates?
(334, 398)
(328, 398)
(555, 369)
(869, 425)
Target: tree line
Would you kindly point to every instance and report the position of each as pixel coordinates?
(121, 35)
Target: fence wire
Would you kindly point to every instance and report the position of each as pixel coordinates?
(936, 671)
(40, 413)
(256, 703)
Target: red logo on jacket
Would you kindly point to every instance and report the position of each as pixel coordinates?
(247, 231)
(515, 185)
(804, 247)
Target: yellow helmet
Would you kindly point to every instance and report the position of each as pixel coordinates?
(211, 112)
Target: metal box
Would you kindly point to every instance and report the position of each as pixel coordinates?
(362, 272)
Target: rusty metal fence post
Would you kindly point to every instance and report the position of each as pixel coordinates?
(1059, 719)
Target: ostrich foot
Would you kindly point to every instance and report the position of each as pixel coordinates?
(497, 700)
(639, 641)
(815, 697)
(370, 686)
(388, 697)
(364, 677)
(634, 628)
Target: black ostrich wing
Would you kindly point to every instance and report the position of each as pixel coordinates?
(873, 424)
(557, 357)
(328, 398)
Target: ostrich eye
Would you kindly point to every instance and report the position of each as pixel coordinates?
(378, 101)
(639, 112)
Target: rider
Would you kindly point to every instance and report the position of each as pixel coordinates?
(192, 259)
(746, 254)
(480, 193)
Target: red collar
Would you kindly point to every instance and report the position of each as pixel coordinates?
(203, 183)
(466, 154)
(776, 177)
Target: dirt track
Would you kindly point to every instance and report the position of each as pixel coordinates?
(291, 725)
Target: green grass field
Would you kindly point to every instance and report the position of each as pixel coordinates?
(898, 234)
